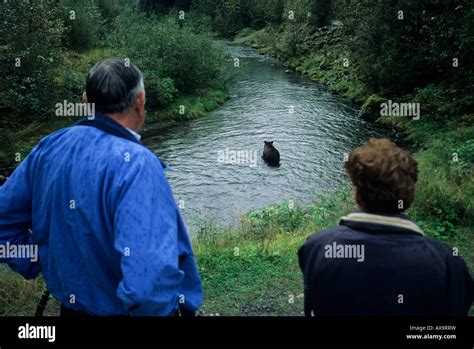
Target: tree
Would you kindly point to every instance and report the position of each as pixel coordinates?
(410, 44)
(323, 12)
(163, 6)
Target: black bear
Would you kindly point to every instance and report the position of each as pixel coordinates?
(270, 154)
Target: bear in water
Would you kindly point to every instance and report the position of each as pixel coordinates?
(270, 154)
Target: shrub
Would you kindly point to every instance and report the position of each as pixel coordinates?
(160, 91)
(83, 20)
(445, 188)
(286, 217)
(34, 42)
(174, 59)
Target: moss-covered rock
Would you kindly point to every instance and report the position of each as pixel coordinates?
(370, 110)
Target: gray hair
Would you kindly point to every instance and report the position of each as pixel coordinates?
(113, 85)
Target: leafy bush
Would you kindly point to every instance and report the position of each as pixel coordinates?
(174, 59)
(83, 20)
(109, 9)
(197, 23)
(466, 152)
(286, 217)
(160, 91)
(29, 49)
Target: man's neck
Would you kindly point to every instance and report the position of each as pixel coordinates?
(127, 121)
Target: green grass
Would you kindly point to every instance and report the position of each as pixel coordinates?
(19, 297)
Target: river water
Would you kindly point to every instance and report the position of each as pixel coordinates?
(311, 128)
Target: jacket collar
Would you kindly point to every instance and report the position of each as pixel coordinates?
(105, 123)
(378, 222)
(108, 125)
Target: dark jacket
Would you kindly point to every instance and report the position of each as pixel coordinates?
(382, 265)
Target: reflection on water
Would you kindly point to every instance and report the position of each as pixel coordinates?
(311, 128)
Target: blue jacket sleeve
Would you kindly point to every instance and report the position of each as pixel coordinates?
(15, 218)
(146, 235)
(191, 289)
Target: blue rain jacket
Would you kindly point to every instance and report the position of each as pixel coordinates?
(110, 237)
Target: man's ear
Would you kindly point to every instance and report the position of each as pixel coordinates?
(84, 97)
(140, 101)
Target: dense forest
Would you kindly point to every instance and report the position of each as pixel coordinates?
(370, 52)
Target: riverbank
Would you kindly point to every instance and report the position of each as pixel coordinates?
(47, 64)
(20, 139)
(323, 56)
(249, 270)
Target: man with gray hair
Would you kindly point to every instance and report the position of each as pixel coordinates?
(99, 207)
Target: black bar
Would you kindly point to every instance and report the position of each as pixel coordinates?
(310, 332)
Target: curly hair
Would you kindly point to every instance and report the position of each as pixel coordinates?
(384, 174)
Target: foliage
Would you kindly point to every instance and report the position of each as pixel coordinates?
(231, 16)
(408, 44)
(46, 51)
(83, 20)
(284, 217)
(174, 59)
(29, 50)
(445, 191)
(151, 7)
